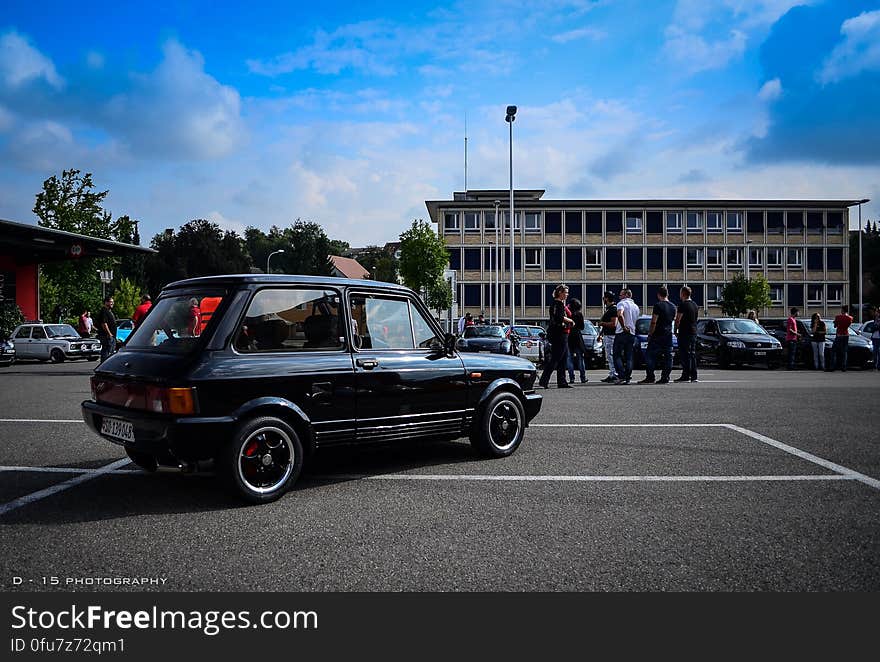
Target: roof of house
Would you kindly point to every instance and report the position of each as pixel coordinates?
(348, 267)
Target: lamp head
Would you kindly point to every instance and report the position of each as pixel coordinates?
(511, 114)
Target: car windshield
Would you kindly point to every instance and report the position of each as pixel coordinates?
(176, 322)
(643, 324)
(61, 331)
(483, 332)
(589, 329)
(740, 326)
(829, 324)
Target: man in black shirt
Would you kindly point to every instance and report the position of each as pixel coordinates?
(607, 326)
(686, 323)
(660, 338)
(105, 322)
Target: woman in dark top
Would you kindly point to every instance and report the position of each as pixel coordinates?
(818, 331)
(577, 352)
(557, 333)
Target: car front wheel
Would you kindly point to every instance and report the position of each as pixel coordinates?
(500, 427)
(56, 356)
(263, 460)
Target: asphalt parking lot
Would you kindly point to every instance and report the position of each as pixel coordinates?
(749, 480)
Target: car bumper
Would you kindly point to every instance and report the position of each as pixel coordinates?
(184, 438)
(755, 355)
(532, 405)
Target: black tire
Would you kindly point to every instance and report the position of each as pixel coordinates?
(145, 461)
(262, 460)
(56, 355)
(500, 426)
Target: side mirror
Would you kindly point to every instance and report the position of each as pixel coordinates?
(449, 341)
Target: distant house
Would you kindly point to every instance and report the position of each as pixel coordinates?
(345, 267)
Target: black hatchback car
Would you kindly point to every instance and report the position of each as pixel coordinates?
(733, 341)
(257, 372)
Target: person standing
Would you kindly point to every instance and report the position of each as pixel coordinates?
(875, 339)
(660, 338)
(625, 337)
(481, 320)
(753, 315)
(841, 338)
(466, 320)
(817, 341)
(141, 311)
(106, 323)
(576, 350)
(85, 324)
(686, 323)
(791, 337)
(557, 332)
(607, 326)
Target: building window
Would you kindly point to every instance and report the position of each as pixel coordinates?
(655, 258)
(774, 222)
(814, 222)
(695, 257)
(756, 257)
(695, 221)
(489, 220)
(533, 222)
(835, 293)
(471, 295)
(714, 257)
(593, 296)
(674, 258)
(574, 258)
(814, 259)
(533, 257)
(552, 258)
(713, 293)
(673, 221)
(755, 221)
(634, 222)
(572, 222)
(714, 222)
(796, 294)
(613, 221)
(533, 295)
(814, 294)
(795, 258)
(734, 257)
(654, 222)
(835, 222)
(614, 258)
(634, 258)
(594, 222)
(450, 222)
(472, 260)
(835, 259)
(734, 221)
(472, 221)
(774, 258)
(794, 221)
(454, 259)
(593, 258)
(553, 222)
(776, 294)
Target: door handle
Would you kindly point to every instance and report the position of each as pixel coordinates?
(367, 364)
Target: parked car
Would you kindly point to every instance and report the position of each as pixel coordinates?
(484, 338)
(531, 341)
(643, 325)
(733, 341)
(595, 353)
(777, 327)
(860, 353)
(290, 365)
(53, 342)
(867, 329)
(7, 352)
(124, 327)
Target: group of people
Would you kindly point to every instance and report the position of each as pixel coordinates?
(818, 333)
(104, 324)
(618, 330)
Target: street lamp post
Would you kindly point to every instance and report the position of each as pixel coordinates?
(496, 268)
(106, 276)
(281, 250)
(491, 282)
(510, 117)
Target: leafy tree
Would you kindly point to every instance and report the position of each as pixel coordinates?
(423, 256)
(260, 245)
(741, 294)
(309, 250)
(339, 247)
(379, 263)
(870, 264)
(50, 297)
(126, 298)
(439, 295)
(10, 317)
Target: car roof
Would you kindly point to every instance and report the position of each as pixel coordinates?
(282, 279)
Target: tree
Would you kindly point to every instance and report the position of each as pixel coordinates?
(423, 256)
(10, 317)
(870, 264)
(379, 263)
(439, 295)
(339, 247)
(309, 250)
(126, 298)
(741, 294)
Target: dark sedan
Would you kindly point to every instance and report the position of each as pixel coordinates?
(733, 341)
(487, 338)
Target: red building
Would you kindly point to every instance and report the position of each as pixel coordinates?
(23, 248)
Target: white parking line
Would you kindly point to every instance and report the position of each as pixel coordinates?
(587, 479)
(41, 420)
(60, 487)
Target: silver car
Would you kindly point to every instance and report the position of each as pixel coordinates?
(531, 344)
(53, 342)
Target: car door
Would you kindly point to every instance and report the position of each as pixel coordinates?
(22, 341)
(707, 342)
(40, 344)
(407, 384)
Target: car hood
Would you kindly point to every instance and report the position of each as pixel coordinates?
(750, 337)
(483, 342)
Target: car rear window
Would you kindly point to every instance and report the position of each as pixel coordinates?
(176, 322)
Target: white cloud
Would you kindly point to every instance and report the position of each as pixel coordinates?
(226, 223)
(40, 146)
(6, 119)
(695, 53)
(21, 63)
(95, 60)
(771, 90)
(580, 33)
(859, 50)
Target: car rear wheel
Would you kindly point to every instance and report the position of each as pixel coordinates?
(263, 460)
(56, 355)
(500, 427)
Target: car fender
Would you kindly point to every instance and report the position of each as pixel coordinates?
(282, 408)
(500, 384)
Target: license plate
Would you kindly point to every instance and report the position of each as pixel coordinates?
(760, 353)
(118, 429)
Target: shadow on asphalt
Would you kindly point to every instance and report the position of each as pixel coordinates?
(140, 493)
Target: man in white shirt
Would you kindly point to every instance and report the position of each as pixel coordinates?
(625, 336)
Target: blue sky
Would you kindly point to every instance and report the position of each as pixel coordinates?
(352, 115)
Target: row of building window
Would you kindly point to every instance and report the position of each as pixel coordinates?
(773, 257)
(654, 222)
(478, 295)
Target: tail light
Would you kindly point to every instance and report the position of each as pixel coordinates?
(146, 397)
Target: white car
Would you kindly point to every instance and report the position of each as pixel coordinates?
(531, 342)
(53, 342)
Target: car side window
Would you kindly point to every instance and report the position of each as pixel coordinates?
(39, 333)
(291, 320)
(24, 332)
(382, 322)
(423, 332)
(701, 327)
